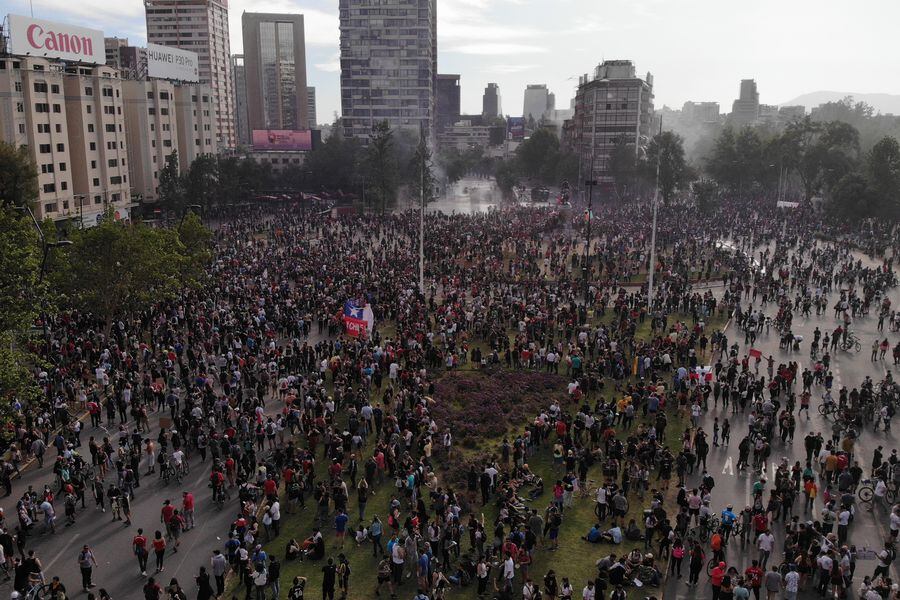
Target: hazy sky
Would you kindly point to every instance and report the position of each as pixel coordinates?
(695, 49)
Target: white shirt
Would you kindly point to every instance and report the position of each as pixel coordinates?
(844, 517)
(588, 593)
(178, 457)
(766, 542)
(792, 581)
(509, 568)
(895, 521)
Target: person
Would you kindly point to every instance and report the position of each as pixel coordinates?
(175, 591)
(260, 581)
(343, 574)
(275, 576)
(152, 590)
(219, 565)
(791, 583)
(86, 562)
(715, 579)
(297, 588)
(57, 589)
(159, 548)
(329, 577)
(588, 592)
(384, 574)
(204, 588)
(773, 583)
(139, 548)
(696, 564)
(340, 527)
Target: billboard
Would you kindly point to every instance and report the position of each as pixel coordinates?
(172, 63)
(282, 139)
(515, 127)
(49, 39)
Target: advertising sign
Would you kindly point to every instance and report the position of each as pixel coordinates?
(282, 139)
(515, 127)
(172, 63)
(49, 39)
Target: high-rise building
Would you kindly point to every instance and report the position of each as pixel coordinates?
(446, 101)
(700, 112)
(241, 119)
(745, 110)
(538, 102)
(69, 117)
(612, 106)
(162, 117)
(275, 68)
(113, 45)
(388, 64)
(311, 106)
(490, 101)
(200, 26)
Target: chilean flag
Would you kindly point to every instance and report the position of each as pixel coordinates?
(358, 319)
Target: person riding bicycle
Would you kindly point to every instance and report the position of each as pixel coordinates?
(178, 462)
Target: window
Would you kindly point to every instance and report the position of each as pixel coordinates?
(54, 88)
(47, 168)
(197, 142)
(58, 128)
(167, 143)
(113, 162)
(18, 86)
(90, 109)
(88, 91)
(60, 147)
(64, 185)
(62, 166)
(65, 205)
(20, 107)
(116, 197)
(43, 128)
(51, 206)
(110, 145)
(151, 111)
(44, 148)
(41, 107)
(49, 188)
(163, 111)
(110, 128)
(164, 95)
(90, 128)
(97, 199)
(93, 146)
(40, 86)
(107, 92)
(22, 128)
(109, 110)
(96, 181)
(57, 108)
(93, 164)
(115, 180)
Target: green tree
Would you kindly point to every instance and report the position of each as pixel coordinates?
(820, 153)
(117, 267)
(667, 150)
(334, 163)
(18, 176)
(202, 181)
(883, 172)
(197, 243)
(422, 168)
(381, 165)
(538, 156)
(171, 190)
(851, 198)
(506, 174)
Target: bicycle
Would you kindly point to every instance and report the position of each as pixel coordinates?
(827, 408)
(39, 591)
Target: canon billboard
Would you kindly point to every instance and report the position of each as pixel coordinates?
(49, 39)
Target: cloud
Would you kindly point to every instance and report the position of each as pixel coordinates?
(332, 65)
(489, 48)
(507, 69)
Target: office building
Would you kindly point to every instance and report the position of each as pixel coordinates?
(162, 117)
(70, 118)
(388, 65)
(113, 46)
(275, 71)
(464, 135)
(612, 106)
(538, 102)
(200, 26)
(311, 107)
(745, 110)
(490, 101)
(241, 118)
(700, 112)
(446, 101)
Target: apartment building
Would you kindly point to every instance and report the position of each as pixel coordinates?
(152, 134)
(71, 119)
(195, 115)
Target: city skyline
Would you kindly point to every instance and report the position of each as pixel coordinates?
(514, 43)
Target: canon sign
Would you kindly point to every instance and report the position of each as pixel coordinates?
(55, 40)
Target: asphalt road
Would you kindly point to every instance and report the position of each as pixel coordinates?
(869, 529)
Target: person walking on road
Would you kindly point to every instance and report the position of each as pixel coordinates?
(139, 547)
(204, 588)
(159, 547)
(87, 562)
(219, 565)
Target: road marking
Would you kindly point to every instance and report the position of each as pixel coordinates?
(65, 549)
(729, 466)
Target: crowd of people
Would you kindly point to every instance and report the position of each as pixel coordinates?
(255, 372)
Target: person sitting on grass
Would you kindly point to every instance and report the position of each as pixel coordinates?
(594, 536)
(633, 532)
(292, 550)
(613, 535)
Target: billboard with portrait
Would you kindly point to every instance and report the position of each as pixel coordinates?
(282, 139)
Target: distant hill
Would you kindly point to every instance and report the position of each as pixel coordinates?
(883, 103)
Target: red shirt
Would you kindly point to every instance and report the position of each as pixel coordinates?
(269, 487)
(167, 511)
(188, 501)
(287, 475)
(139, 541)
(159, 544)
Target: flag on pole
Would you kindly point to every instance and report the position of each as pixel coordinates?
(755, 353)
(358, 318)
